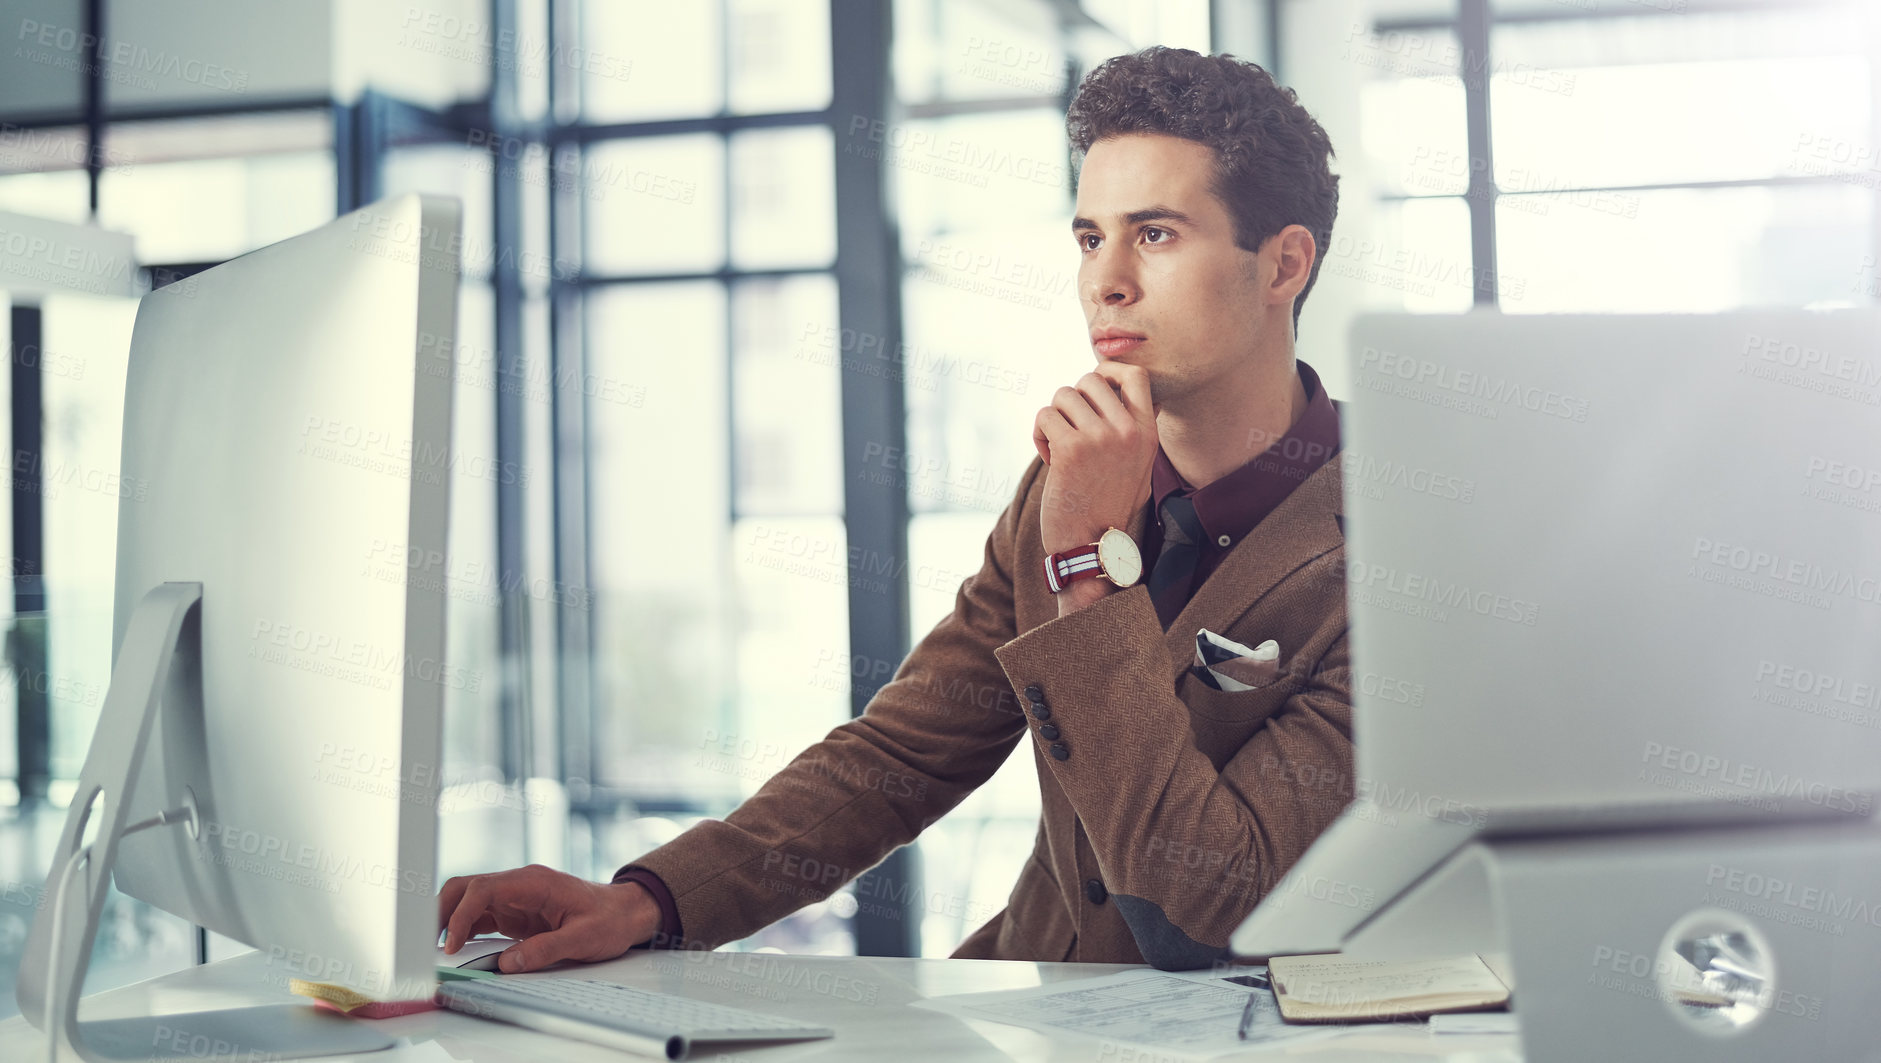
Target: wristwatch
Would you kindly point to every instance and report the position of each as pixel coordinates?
(1114, 557)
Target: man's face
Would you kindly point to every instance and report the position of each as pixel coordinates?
(1159, 261)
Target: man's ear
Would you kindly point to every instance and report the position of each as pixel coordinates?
(1293, 251)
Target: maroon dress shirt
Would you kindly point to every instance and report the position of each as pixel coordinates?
(1229, 508)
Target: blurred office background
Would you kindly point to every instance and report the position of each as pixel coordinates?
(759, 298)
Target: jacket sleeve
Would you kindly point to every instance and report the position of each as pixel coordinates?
(940, 728)
(1185, 849)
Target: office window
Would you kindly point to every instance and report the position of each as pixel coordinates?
(1669, 121)
(654, 205)
(1695, 157)
(779, 55)
(638, 73)
(713, 427)
(1412, 126)
(213, 209)
(659, 506)
(1684, 250)
(42, 172)
(457, 170)
(1410, 251)
(12, 628)
(963, 52)
(1693, 99)
(62, 195)
(208, 189)
(81, 456)
(783, 198)
(786, 398)
(472, 828)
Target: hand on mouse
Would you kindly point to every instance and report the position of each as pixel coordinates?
(553, 916)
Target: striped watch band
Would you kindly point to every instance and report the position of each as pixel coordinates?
(1071, 566)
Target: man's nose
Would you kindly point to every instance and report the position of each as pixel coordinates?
(1111, 287)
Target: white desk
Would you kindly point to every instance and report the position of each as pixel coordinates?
(865, 1000)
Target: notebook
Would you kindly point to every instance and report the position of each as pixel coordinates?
(1333, 988)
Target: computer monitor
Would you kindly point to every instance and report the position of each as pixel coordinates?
(279, 644)
(1604, 572)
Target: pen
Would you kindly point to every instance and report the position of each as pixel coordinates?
(1247, 1017)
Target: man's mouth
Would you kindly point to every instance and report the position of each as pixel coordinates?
(1112, 342)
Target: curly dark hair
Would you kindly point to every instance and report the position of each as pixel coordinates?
(1271, 158)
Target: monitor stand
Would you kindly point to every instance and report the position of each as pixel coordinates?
(164, 631)
(1610, 934)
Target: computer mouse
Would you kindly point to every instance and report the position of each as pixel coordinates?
(482, 963)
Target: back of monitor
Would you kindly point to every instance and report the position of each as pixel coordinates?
(1609, 570)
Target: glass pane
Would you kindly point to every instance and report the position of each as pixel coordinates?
(792, 650)
(1555, 7)
(536, 59)
(958, 51)
(1416, 259)
(1390, 9)
(972, 171)
(659, 505)
(786, 398)
(538, 181)
(793, 621)
(783, 198)
(473, 735)
(1413, 129)
(42, 172)
(50, 362)
(1400, 53)
(547, 599)
(971, 402)
(655, 205)
(779, 56)
(1684, 250)
(212, 209)
(1660, 32)
(453, 170)
(81, 489)
(1141, 23)
(970, 859)
(62, 195)
(917, 51)
(650, 59)
(1641, 105)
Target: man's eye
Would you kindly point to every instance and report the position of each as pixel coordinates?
(1087, 241)
(1155, 236)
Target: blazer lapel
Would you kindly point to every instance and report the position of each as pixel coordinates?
(1304, 526)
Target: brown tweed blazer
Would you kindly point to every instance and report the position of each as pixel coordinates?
(1185, 802)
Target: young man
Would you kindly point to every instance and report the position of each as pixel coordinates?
(1197, 452)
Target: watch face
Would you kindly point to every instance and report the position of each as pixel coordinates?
(1118, 555)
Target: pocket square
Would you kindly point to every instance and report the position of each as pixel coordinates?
(1228, 666)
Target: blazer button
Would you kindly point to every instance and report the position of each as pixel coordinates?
(1048, 731)
(1034, 693)
(1060, 751)
(1040, 712)
(1094, 891)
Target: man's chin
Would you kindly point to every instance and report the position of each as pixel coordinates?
(1165, 390)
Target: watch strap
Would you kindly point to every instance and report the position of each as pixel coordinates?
(1070, 566)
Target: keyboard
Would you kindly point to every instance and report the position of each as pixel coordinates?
(618, 1016)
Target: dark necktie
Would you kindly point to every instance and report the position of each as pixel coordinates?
(1171, 580)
